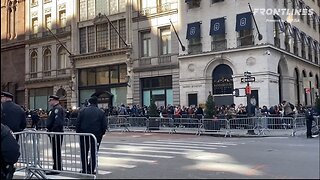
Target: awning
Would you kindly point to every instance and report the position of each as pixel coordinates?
(193, 31)
(217, 26)
(280, 22)
(244, 21)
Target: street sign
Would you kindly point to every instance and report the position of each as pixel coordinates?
(249, 79)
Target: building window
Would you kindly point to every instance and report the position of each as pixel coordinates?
(165, 42)
(114, 74)
(123, 73)
(47, 60)
(314, 21)
(218, 42)
(285, 3)
(87, 9)
(145, 44)
(222, 80)
(92, 39)
(276, 32)
(216, 1)
(193, 3)
(35, 24)
(83, 40)
(33, 65)
(62, 60)
(287, 38)
(47, 22)
(303, 48)
(122, 32)
(301, 11)
(310, 41)
(62, 18)
(295, 43)
(308, 16)
(102, 33)
(114, 38)
(103, 75)
(245, 37)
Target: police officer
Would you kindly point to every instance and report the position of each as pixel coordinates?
(55, 124)
(91, 119)
(14, 116)
(310, 113)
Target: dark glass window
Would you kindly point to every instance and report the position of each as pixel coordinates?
(222, 80)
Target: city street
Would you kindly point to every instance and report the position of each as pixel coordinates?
(164, 156)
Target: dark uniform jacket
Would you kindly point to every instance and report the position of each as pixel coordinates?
(91, 119)
(14, 116)
(10, 151)
(56, 119)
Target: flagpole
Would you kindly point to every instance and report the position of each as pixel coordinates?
(182, 46)
(260, 35)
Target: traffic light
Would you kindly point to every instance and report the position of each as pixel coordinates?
(248, 90)
(236, 92)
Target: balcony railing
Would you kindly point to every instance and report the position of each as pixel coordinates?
(145, 61)
(245, 40)
(167, 7)
(164, 59)
(194, 48)
(61, 71)
(219, 45)
(51, 74)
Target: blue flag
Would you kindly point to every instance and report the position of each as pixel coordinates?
(244, 21)
(193, 31)
(217, 26)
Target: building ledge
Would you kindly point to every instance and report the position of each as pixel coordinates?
(100, 54)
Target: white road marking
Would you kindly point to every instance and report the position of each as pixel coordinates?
(161, 145)
(184, 143)
(135, 154)
(202, 143)
(131, 149)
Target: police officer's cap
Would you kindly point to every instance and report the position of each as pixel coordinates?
(53, 97)
(6, 94)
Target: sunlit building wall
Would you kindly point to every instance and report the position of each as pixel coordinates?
(48, 67)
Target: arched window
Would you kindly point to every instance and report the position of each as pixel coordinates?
(222, 80)
(47, 60)
(33, 64)
(11, 13)
(62, 60)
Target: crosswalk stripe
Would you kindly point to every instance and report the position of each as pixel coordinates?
(19, 173)
(198, 142)
(134, 149)
(163, 145)
(137, 145)
(183, 143)
(135, 154)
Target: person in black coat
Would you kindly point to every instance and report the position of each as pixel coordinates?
(14, 115)
(55, 124)
(90, 120)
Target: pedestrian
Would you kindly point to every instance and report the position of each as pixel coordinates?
(55, 124)
(35, 119)
(14, 115)
(90, 120)
(310, 113)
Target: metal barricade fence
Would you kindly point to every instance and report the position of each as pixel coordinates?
(278, 126)
(139, 123)
(216, 126)
(39, 149)
(118, 122)
(300, 124)
(242, 126)
(188, 123)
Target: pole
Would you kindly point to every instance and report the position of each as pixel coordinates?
(182, 46)
(254, 19)
(59, 41)
(248, 102)
(115, 30)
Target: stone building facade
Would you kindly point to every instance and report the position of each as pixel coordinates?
(13, 48)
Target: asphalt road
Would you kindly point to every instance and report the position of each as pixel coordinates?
(137, 155)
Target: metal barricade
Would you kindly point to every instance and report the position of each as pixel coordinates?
(188, 124)
(300, 124)
(39, 149)
(139, 123)
(118, 122)
(276, 126)
(242, 126)
(216, 126)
